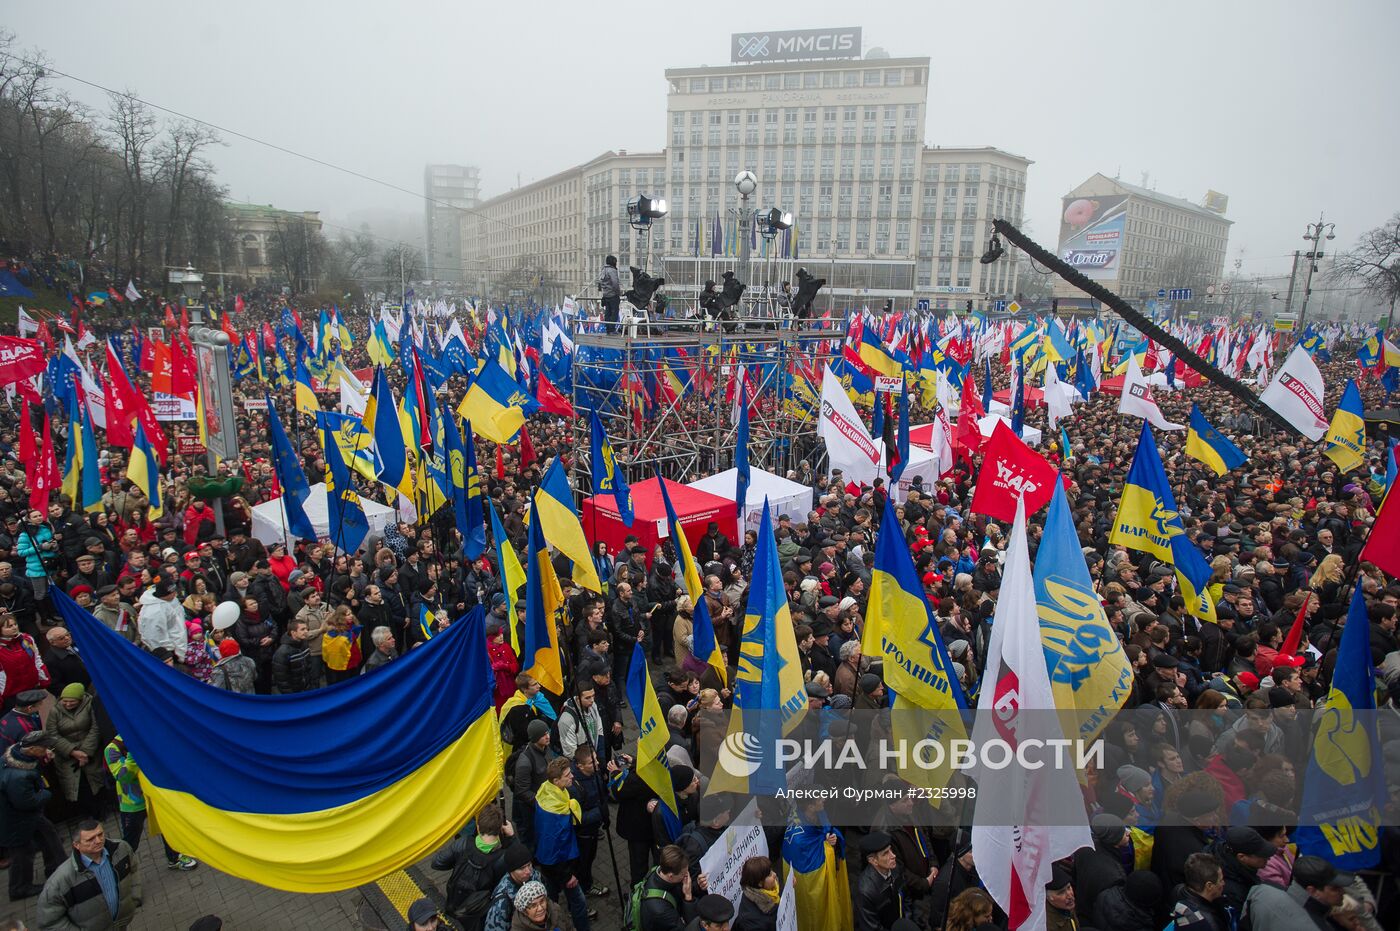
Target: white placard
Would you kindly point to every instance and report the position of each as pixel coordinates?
(723, 863)
(173, 407)
(787, 906)
(888, 384)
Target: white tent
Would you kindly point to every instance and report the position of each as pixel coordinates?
(270, 518)
(1029, 435)
(922, 462)
(784, 496)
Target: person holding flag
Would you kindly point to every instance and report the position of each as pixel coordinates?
(607, 472)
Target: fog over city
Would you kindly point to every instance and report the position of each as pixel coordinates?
(1286, 109)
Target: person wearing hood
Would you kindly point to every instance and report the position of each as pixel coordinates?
(1099, 868)
(24, 831)
(162, 620)
(1132, 906)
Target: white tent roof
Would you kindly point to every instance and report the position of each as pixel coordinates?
(784, 496)
(270, 517)
(1029, 435)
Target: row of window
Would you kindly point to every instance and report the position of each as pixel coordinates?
(655, 178)
(800, 80)
(790, 115)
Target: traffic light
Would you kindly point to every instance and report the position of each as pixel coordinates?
(968, 306)
(1055, 305)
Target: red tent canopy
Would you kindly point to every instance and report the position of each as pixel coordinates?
(922, 435)
(1113, 385)
(695, 509)
(1034, 396)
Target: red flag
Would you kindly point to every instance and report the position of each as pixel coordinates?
(500, 463)
(43, 337)
(162, 368)
(115, 295)
(170, 316)
(185, 324)
(1380, 546)
(227, 327)
(43, 473)
(1010, 469)
(551, 401)
(968, 438)
(20, 359)
(1295, 633)
(182, 374)
(527, 449)
(26, 434)
(238, 304)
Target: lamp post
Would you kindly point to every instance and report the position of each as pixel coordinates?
(1315, 234)
(191, 285)
(745, 182)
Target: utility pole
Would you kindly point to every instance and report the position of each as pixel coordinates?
(1292, 278)
(403, 299)
(1315, 234)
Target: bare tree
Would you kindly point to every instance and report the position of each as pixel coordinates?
(402, 263)
(134, 127)
(178, 162)
(1373, 263)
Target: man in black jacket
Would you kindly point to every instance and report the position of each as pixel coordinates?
(477, 862)
(878, 899)
(291, 663)
(1242, 854)
(667, 900)
(528, 776)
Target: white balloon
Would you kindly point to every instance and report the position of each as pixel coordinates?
(226, 615)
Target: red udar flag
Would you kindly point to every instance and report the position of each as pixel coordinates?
(1010, 469)
(1380, 546)
(20, 359)
(968, 438)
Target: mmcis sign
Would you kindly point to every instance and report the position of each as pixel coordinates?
(794, 44)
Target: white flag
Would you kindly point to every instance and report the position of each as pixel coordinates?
(1025, 818)
(28, 326)
(131, 293)
(1137, 399)
(848, 444)
(1296, 394)
(1057, 402)
(351, 400)
(943, 442)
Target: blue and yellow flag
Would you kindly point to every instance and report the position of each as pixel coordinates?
(875, 355)
(496, 405)
(543, 599)
(1089, 671)
(819, 883)
(554, 506)
(466, 486)
(143, 469)
(652, 738)
(1344, 787)
(382, 418)
(1024, 340)
(354, 441)
(295, 489)
(512, 575)
(705, 646)
(345, 515)
(381, 351)
(82, 477)
(399, 763)
(770, 698)
(1209, 446)
(556, 815)
(607, 474)
(306, 400)
(426, 619)
(1147, 521)
(1346, 437)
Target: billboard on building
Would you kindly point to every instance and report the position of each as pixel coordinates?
(794, 44)
(1091, 234)
(1216, 202)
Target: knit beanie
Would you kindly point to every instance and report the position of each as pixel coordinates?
(228, 647)
(73, 690)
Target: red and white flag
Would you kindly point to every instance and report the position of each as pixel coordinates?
(1025, 818)
(1010, 471)
(1296, 394)
(1137, 399)
(849, 446)
(943, 442)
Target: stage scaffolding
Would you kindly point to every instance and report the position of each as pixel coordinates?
(693, 435)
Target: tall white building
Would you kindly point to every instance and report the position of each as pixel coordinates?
(837, 140)
(449, 190)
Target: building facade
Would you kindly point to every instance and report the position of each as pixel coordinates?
(837, 142)
(274, 246)
(448, 190)
(1135, 241)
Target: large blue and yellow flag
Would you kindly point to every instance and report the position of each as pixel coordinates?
(496, 405)
(819, 883)
(1209, 446)
(144, 471)
(82, 477)
(607, 474)
(295, 489)
(1089, 671)
(354, 441)
(306, 400)
(345, 515)
(382, 419)
(1147, 521)
(556, 816)
(875, 354)
(543, 599)
(554, 506)
(770, 698)
(399, 762)
(652, 737)
(1346, 437)
(1344, 787)
(512, 575)
(704, 645)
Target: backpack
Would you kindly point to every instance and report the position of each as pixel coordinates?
(632, 908)
(510, 767)
(469, 889)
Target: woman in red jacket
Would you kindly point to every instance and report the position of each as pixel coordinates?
(21, 667)
(281, 564)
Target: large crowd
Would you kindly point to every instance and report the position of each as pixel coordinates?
(1283, 529)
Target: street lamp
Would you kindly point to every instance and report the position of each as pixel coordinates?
(1315, 234)
(191, 285)
(745, 182)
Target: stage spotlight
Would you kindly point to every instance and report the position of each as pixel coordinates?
(994, 250)
(641, 210)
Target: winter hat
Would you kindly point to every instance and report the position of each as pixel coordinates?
(869, 683)
(536, 729)
(1133, 778)
(1143, 888)
(528, 895)
(194, 628)
(228, 647)
(681, 777)
(516, 856)
(73, 690)
(1107, 829)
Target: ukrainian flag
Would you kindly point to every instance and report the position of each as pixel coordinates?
(398, 763)
(1344, 787)
(381, 351)
(770, 698)
(554, 508)
(652, 737)
(1024, 340)
(819, 883)
(346, 522)
(874, 354)
(306, 400)
(382, 417)
(512, 575)
(556, 813)
(1369, 353)
(426, 620)
(1057, 345)
(496, 405)
(1089, 670)
(1147, 521)
(1346, 437)
(143, 469)
(705, 647)
(543, 599)
(1208, 445)
(82, 480)
(353, 440)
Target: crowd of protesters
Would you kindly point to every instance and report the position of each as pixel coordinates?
(1284, 529)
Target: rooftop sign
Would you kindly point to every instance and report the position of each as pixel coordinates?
(745, 47)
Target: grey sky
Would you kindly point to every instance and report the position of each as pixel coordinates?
(1287, 107)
